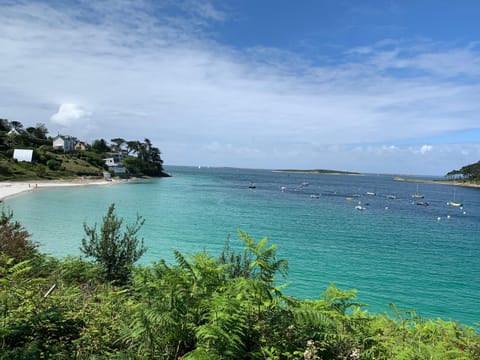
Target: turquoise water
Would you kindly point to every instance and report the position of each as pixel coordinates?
(419, 257)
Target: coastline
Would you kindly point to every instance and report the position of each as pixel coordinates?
(439, 182)
(12, 188)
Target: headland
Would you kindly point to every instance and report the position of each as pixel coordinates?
(463, 183)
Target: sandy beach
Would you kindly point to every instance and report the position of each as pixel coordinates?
(11, 188)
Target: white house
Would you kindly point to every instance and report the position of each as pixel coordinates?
(23, 155)
(65, 143)
(115, 164)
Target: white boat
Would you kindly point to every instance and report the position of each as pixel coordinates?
(360, 207)
(454, 203)
(371, 193)
(417, 195)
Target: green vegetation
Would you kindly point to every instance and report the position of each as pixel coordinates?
(15, 241)
(468, 172)
(138, 158)
(116, 252)
(199, 307)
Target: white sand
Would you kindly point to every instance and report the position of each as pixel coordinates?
(11, 188)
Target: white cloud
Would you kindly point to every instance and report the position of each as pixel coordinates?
(426, 148)
(70, 114)
(164, 78)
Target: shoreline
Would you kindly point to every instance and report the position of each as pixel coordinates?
(439, 182)
(12, 188)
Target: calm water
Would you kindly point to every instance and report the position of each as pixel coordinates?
(418, 257)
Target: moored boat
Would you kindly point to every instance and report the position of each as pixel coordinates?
(417, 195)
(453, 203)
(422, 203)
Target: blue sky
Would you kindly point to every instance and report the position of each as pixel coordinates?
(374, 86)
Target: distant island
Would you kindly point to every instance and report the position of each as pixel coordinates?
(318, 171)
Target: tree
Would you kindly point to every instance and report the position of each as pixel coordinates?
(115, 251)
(118, 143)
(14, 239)
(17, 125)
(4, 125)
(146, 159)
(100, 146)
(41, 131)
(132, 147)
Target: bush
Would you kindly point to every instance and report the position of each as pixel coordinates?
(115, 251)
(14, 239)
(53, 164)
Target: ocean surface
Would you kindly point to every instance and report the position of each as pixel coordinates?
(425, 258)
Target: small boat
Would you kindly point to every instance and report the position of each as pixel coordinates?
(391, 197)
(371, 193)
(453, 203)
(360, 207)
(314, 196)
(252, 186)
(422, 203)
(417, 195)
(303, 185)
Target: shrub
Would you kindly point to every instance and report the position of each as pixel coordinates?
(14, 239)
(115, 251)
(53, 164)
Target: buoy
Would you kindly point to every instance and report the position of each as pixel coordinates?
(438, 218)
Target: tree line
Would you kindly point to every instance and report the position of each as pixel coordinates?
(468, 172)
(230, 306)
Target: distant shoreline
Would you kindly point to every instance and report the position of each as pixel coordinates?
(318, 171)
(439, 182)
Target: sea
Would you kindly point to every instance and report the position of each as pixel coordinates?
(393, 251)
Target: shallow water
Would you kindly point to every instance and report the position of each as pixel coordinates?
(419, 257)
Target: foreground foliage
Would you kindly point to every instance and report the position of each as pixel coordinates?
(114, 250)
(202, 307)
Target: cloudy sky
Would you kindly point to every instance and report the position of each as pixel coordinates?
(376, 86)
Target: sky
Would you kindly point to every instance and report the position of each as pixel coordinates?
(380, 86)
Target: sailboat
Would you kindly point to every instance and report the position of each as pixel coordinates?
(417, 195)
(454, 203)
